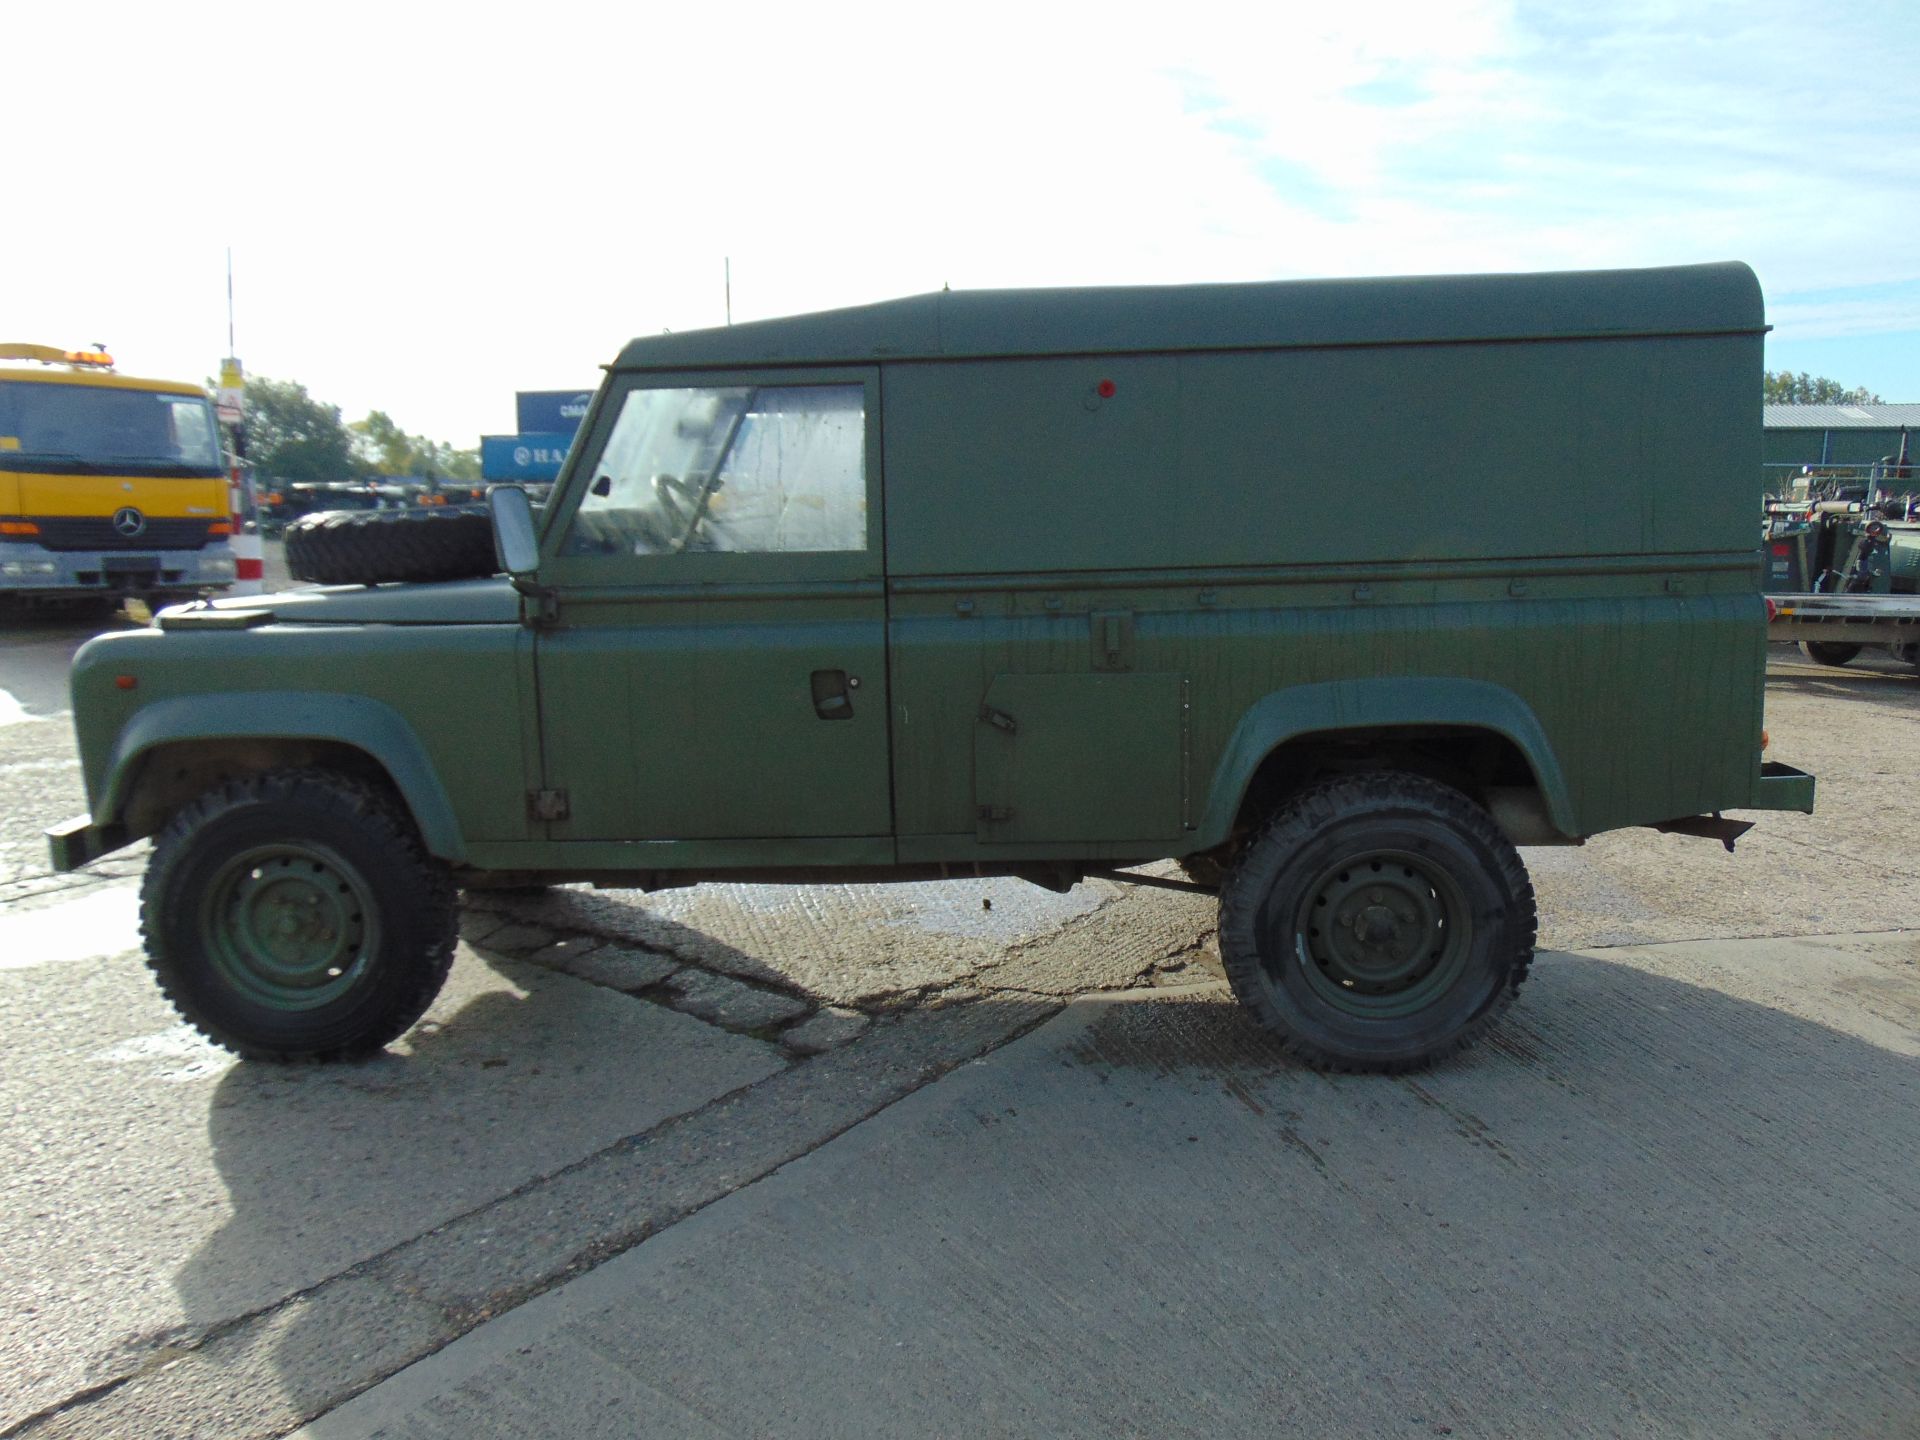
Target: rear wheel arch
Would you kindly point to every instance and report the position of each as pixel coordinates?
(1474, 736)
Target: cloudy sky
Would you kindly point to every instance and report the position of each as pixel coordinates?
(430, 207)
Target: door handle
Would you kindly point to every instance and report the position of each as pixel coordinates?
(833, 694)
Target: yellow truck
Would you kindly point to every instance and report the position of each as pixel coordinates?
(110, 486)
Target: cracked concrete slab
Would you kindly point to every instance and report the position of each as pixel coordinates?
(828, 1030)
(298, 1358)
(842, 944)
(722, 1000)
(1143, 1219)
(191, 1189)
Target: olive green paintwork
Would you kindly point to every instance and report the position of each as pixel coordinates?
(1123, 546)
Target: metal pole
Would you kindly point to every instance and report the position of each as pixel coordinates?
(230, 349)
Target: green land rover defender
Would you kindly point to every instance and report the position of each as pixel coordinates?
(1336, 591)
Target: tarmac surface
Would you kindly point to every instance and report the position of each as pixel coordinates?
(914, 1159)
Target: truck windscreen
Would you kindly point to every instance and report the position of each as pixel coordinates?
(52, 428)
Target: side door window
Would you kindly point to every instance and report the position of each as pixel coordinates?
(744, 469)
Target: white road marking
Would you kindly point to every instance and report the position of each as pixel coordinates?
(12, 712)
(103, 922)
(185, 1053)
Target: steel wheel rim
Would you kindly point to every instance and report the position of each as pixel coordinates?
(290, 926)
(1382, 935)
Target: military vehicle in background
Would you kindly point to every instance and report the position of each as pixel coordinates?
(1842, 561)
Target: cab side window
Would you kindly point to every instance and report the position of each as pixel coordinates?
(771, 469)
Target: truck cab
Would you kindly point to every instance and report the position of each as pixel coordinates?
(110, 486)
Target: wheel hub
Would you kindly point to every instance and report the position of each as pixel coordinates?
(1378, 932)
(290, 925)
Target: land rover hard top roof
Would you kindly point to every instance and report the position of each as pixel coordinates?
(1714, 299)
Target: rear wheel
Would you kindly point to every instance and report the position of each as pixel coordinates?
(1378, 922)
(295, 915)
(1828, 652)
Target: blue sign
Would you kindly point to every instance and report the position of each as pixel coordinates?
(523, 457)
(550, 412)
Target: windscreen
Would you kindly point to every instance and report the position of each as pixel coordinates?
(50, 428)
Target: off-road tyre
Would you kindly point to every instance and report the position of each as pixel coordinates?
(1828, 652)
(295, 915)
(371, 547)
(1436, 948)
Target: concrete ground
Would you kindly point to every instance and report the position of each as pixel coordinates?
(1663, 1203)
(616, 1091)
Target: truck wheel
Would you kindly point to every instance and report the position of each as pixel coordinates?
(371, 547)
(1827, 652)
(295, 916)
(1378, 922)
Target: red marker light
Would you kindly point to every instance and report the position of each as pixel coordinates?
(1105, 389)
(124, 682)
(1773, 610)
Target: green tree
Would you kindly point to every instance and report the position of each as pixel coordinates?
(385, 449)
(292, 436)
(1783, 387)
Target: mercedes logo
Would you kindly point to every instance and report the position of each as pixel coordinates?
(129, 521)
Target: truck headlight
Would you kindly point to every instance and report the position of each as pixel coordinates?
(218, 567)
(20, 569)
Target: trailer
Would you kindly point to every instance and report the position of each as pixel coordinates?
(1834, 629)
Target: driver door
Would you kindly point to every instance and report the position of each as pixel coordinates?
(713, 675)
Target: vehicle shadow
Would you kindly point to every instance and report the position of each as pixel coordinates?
(615, 918)
(518, 1072)
(1711, 1203)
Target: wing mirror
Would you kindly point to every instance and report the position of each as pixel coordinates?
(515, 544)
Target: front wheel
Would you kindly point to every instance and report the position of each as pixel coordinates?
(294, 915)
(1378, 922)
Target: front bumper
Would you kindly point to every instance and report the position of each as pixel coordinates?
(29, 570)
(79, 841)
